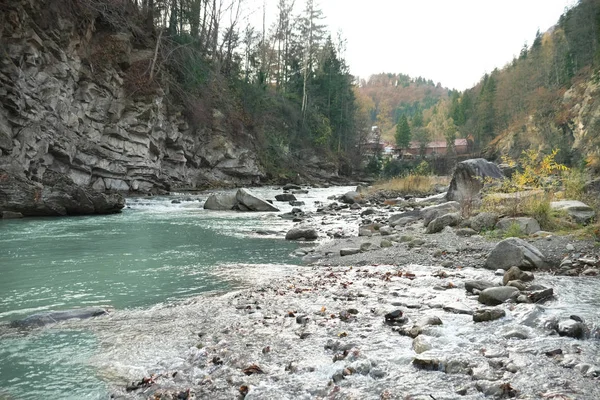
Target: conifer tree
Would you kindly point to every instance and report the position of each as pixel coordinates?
(403, 133)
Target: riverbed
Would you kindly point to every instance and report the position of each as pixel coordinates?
(158, 252)
(265, 326)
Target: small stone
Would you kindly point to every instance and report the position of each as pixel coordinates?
(570, 247)
(490, 314)
(349, 251)
(365, 246)
(385, 243)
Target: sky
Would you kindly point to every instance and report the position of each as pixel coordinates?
(454, 42)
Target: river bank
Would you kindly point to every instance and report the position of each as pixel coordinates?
(394, 320)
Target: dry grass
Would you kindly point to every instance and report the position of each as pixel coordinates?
(412, 184)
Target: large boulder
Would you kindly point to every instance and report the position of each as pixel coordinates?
(302, 233)
(252, 202)
(526, 225)
(484, 221)
(432, 212)
(497, 295)
(469, 177)
(351, 197)
(285, 197)
(438, 224)
(580, 212)
(56, 195)
(220, 202)
(515, 252)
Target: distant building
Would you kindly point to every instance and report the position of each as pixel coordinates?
(461, 146)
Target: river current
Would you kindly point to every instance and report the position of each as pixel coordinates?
(156, 252)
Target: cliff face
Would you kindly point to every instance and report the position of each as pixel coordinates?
(65, 106)
(572, 125)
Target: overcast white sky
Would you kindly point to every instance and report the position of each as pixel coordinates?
(449, 41)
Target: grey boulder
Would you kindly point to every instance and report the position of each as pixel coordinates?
(579, 211)
(302, 233)
(497, 295)
(438, 224)
(469, 177)
(220, 202)
(526, 225)
(513, 252)
(253, 202)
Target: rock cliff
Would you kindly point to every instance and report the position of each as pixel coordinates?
(67, 105)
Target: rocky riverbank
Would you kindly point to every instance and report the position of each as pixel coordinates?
(388, 312)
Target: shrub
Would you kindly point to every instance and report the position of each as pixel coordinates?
(514, 230)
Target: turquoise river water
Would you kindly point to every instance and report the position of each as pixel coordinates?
(154, 252)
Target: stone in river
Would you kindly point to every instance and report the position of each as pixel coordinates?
(50, 317)
(479, 285)
(349, 251)
(457, 308)
(302, 233)
(253, 202)
(285, 197)
(497, 295)
(572, 328)
(489, 314)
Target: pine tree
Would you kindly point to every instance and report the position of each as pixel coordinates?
(403, 133)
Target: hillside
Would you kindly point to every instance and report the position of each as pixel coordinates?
(386, 97)
(545, 98)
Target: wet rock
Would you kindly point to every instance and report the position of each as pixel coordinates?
(457, 308)
(220, 202)
(515, 252)
(395, 318)
(302, 233)
(468, 178)
(56, 195)
(580, 212)
(526, 225)
(302, 319)
(428, 363)
(483, 221)
(291, 186)
(439, 223)
(10, 215)
(471, 286)
(490, 314)
(252, 202)
(51, 317)
(515, 274)
(516, 334)
(285, 197)
(516, 284)
(421, 344)
(296, 203)
(541, 295)
(571, 328)
(351, 197)
(368, 211)
(497, 295)
(349, 251)
(377, 373)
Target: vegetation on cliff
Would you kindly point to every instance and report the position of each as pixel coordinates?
(287, 85)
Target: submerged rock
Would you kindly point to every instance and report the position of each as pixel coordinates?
(51, 317)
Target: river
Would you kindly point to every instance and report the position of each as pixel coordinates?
(155, 252)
